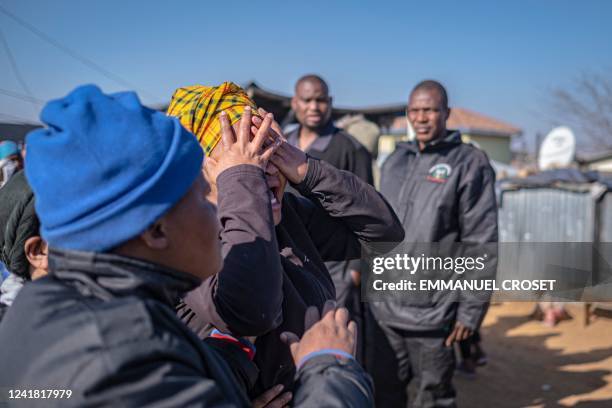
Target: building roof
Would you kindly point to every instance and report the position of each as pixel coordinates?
(15, 131)
(593, 157)
(468, 121)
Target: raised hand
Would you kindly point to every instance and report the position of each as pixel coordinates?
(290, 160)
(459, 333)
(241, 149)
(333, 331)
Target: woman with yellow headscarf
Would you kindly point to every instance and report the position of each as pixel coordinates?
(276, 270)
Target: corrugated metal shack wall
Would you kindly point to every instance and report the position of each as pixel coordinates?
(605, 229)
(605, 232)
(544, 215)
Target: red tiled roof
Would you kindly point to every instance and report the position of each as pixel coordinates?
(465, 119)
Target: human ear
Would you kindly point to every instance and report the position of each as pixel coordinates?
(37, 252)
(156, 237)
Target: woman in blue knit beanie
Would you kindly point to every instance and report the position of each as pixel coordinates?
(122, 204)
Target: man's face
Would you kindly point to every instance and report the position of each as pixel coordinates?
(427, 115)
(193, 230)
(311, 104)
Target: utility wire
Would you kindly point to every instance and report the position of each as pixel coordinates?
(84, 60)
(23, 97)
(17, 72)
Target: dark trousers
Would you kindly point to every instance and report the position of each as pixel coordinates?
(396, 357)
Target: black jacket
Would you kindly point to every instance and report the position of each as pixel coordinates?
(344, 152)
(339, 149)
(443, 194)
(264, 294)
(103, 326)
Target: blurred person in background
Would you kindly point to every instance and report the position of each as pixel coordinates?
(317, 136)
(10, 161)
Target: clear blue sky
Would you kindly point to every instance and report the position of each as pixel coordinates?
(496, 57)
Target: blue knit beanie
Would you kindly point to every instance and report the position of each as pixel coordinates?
(106, 168)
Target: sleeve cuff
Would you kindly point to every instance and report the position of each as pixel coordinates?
(242, 170)
(312, 176)
(339, 354)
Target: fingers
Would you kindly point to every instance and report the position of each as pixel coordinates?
(244, 133)
(329, 309)
(275, 131)
(268, 396)
(268, 153)
(292, 340)
(451, 338)
(465, 333)
(311, 317)
(262, 132)
(342, 317)
(352, 329)
(281, 401)
(227, 133)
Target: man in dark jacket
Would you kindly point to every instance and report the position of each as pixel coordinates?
(319, 138)
(127, 237)
(443, 191)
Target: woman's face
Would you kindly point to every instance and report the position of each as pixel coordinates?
(275, 179)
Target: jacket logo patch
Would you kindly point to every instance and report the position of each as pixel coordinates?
(439, 173)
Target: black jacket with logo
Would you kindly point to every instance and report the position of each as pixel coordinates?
(442, 194)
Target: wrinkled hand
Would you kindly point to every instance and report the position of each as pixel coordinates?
(272, 399)
(459, 333)
(290, 160)
(241, 150)
(332, 331)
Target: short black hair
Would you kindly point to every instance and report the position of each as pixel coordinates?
(431, 85)
(312, 78)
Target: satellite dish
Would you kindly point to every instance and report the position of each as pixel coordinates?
(558, 149)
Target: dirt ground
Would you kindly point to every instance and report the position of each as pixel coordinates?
(531, 365)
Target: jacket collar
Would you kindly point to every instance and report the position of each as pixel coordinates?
(453, 138)
(107, 276)
(321, 143)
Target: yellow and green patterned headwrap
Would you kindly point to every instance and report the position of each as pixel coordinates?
(198, 108)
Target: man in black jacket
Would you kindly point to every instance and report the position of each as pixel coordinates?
(443, 192)
(319, 138)
(127, 237)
